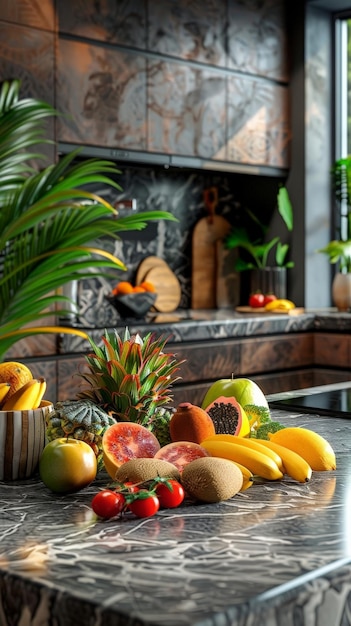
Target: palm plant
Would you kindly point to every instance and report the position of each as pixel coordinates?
(48, 220)
(339, 250)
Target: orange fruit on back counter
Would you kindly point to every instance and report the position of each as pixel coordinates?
(147, 285)
(314, 448)
(16, 374)
(123, 288)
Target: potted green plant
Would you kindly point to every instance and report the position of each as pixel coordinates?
(339, 249)
(264, 258)
(49, 222)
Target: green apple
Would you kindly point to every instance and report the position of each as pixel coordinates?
(67, 465)
(244, 390)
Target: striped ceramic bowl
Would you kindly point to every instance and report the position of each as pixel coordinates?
(22, 439)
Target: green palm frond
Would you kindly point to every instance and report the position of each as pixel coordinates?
(49, 221)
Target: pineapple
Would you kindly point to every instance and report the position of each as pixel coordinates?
(158, 423)
(80, 419)
(130, 379)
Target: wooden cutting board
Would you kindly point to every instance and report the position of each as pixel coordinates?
(147, 264)
(167, 288)
(208, 254)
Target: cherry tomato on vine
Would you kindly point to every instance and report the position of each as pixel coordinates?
(131, 487)
(256, 300)
(170, 494)
(108, 503)
(269, 297)
(145, 504)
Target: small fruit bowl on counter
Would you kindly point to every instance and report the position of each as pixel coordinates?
(133, 305)
(23, 413)
(22, 441)
(132, 302)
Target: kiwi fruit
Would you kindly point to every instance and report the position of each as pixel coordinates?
(141, 469)
(211, 479)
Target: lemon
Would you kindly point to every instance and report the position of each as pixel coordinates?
(314, 448)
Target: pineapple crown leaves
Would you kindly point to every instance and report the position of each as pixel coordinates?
(131, 376)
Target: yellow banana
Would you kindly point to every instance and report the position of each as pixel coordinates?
(294, 465)
(24, 398)
(257, 462)
(247, 476)
(248, 443)
(280, 304)
(4, 389)
(41, 392)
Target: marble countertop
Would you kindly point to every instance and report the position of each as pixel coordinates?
(278, 553)
(207, 325)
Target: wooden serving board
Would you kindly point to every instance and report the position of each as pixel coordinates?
(207, 232)
(167, 288)
(250, 309)
(147, 264)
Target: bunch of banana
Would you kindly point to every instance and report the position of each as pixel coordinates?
(248, 476)
(247, 453)
(263, 458)
(4, 389)
(27, 397)
(280, 304)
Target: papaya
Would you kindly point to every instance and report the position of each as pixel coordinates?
(228, 417)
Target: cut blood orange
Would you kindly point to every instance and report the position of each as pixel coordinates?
(124, 441)
(181, 452)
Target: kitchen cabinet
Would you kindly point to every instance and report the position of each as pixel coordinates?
(277, 363)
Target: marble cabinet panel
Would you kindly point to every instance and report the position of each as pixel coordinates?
(333, 350)
(189, 30)
(28, 54)
(277, 353)
(68, 379)
(122, 23)
(257, 122)
(186, 110)
(257, 38)
(102, 92)
(35, 13)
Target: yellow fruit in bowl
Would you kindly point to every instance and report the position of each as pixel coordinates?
(15, 374)
(314, 448)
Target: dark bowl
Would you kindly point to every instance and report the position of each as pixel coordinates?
(133, 305)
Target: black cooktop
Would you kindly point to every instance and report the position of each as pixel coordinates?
(336, 403)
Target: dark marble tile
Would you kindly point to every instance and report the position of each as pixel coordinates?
(258, 122)
(188, 30)
(27, 54)
(34, 13)
(186, 110)
(102, 93)
(333, 349)
(257, 38)
(34, 346)
(122, 23)
(260, 355)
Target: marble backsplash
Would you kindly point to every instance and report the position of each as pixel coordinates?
(180, 192)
